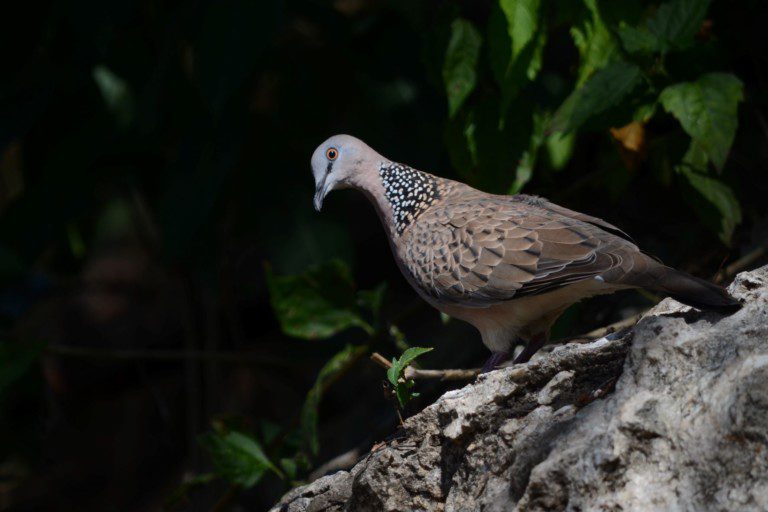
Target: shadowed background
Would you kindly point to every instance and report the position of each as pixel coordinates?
(179, 328)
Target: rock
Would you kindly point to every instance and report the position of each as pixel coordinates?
(673, 415)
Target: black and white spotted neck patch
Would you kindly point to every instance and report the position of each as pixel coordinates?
(409, 191)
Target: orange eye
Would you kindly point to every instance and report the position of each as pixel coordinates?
(331, 153)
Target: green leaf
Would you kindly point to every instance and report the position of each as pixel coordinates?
(522, 21)
(559, 147)
(316, 304)
(524, 170)
(597, 46)
(516, 40)
(399, 365)
(15, 360)
(395, 374)
(637, 40)
(677, 22)
(237, 457)
(707, 109)
(332, 370)
(721, 196)
(672, 27)
(605, 89)
(459, 68)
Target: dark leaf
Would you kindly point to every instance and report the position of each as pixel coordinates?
(707, 109)
(237, 457)
(460, 67)
(316, 304)
(605, 89)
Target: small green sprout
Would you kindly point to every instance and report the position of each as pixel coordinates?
(396, 374)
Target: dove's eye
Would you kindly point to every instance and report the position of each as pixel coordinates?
(331, 153)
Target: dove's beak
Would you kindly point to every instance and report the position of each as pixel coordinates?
(319, 195)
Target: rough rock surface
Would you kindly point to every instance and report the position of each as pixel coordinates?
(685, 428)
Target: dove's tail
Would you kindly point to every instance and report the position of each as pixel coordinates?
(681, 286)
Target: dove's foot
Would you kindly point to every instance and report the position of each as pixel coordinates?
(494, 361)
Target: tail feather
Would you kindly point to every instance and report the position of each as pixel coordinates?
(683, 287)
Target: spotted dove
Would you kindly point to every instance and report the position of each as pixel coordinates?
(509, 265)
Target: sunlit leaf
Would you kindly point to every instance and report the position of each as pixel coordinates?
(460, 67)
(597, 46)
(707, 109)
(316, 304)
(559, 147)
(237, 457)
(330, 371)
(516, 39)
(395, 374)
(603, 90)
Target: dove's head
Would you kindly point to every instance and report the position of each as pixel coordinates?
(343, 161)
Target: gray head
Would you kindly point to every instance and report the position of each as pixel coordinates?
(342, 161)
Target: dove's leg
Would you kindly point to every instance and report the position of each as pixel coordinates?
(494, 361)
(533, 346)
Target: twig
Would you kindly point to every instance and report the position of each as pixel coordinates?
(344, 461)
(740, 264)
(418, 373)
(381, 360)
(600, 332)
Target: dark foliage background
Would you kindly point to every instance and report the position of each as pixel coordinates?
(172, 309)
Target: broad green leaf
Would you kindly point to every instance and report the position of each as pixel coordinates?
(328, 373)
(316, 304)
(672, 26)
(460, 66)
(677, 21)
(15, 359)
(605, 89)
(237, 457)
(522, 21)
(516, 40)
(707, 109)
(597, 46)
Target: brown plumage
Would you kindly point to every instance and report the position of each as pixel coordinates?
(509, 265)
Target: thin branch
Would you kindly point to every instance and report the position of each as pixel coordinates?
(740, 264)
(381, 360)
(418, 373)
